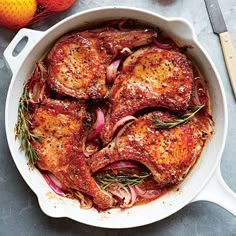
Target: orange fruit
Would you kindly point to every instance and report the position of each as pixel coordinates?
(56, 5)
(15, 14)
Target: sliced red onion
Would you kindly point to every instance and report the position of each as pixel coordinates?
(121, 192)
(98, 125)
(54, 184)
(198, 90)
(123, 22)
(146, 194)
(125, 195)
(112, 71)
(122, 121)
(121, 165)
(161, 45)
(113, 67)
(89, 150)
(139, 191)
(55, 180)
(121, 131)
(133, 196)
(37, 85)
(126, 50)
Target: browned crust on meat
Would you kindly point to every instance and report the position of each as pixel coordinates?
(77, 62)
(151, 77)
(61, 124)
(76, 67)
(167, 153)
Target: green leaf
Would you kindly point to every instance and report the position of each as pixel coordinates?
(181, 120)
(22, 128)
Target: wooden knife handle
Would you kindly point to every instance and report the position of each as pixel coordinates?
(230, 58)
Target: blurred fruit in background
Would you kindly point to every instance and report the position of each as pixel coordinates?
(15, 14)
(56, 5)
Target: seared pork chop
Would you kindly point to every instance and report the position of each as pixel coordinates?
(77, 62)
(150, 77)
(167, 153)
(91, 71)
(62, 125)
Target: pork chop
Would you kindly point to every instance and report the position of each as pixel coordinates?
(62, 125)
(168, 153)
(150, 77)
(77, 62)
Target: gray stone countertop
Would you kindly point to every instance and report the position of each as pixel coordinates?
(20, 213)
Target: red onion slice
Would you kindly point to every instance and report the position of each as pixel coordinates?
(98, 125)
(37, 85)
(139, 191)
(121, 192)
(125, 195)
(199, 90)
(161, 45)
(127, 22)
(112, 71)
(55, 180)
(133, 196)
(146, 194)
(126, 51)
(121, 131)
(55, 186)
(121, 165)
(122, 121)
(89, 149)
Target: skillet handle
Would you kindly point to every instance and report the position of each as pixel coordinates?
(218, 192)
(14, 59)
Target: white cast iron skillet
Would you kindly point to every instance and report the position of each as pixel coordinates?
(203, 183)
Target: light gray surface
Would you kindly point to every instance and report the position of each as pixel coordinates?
(19, 210)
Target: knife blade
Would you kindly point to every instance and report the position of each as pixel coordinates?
(220, 28)
(216, 17)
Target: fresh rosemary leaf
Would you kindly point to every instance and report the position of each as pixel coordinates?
(107, 179)
(22, 128)
(181, 120)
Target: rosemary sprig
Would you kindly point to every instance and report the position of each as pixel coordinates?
(22, 128)
(181, 120)
(107, 179)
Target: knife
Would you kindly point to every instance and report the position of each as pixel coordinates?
(219, 27)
